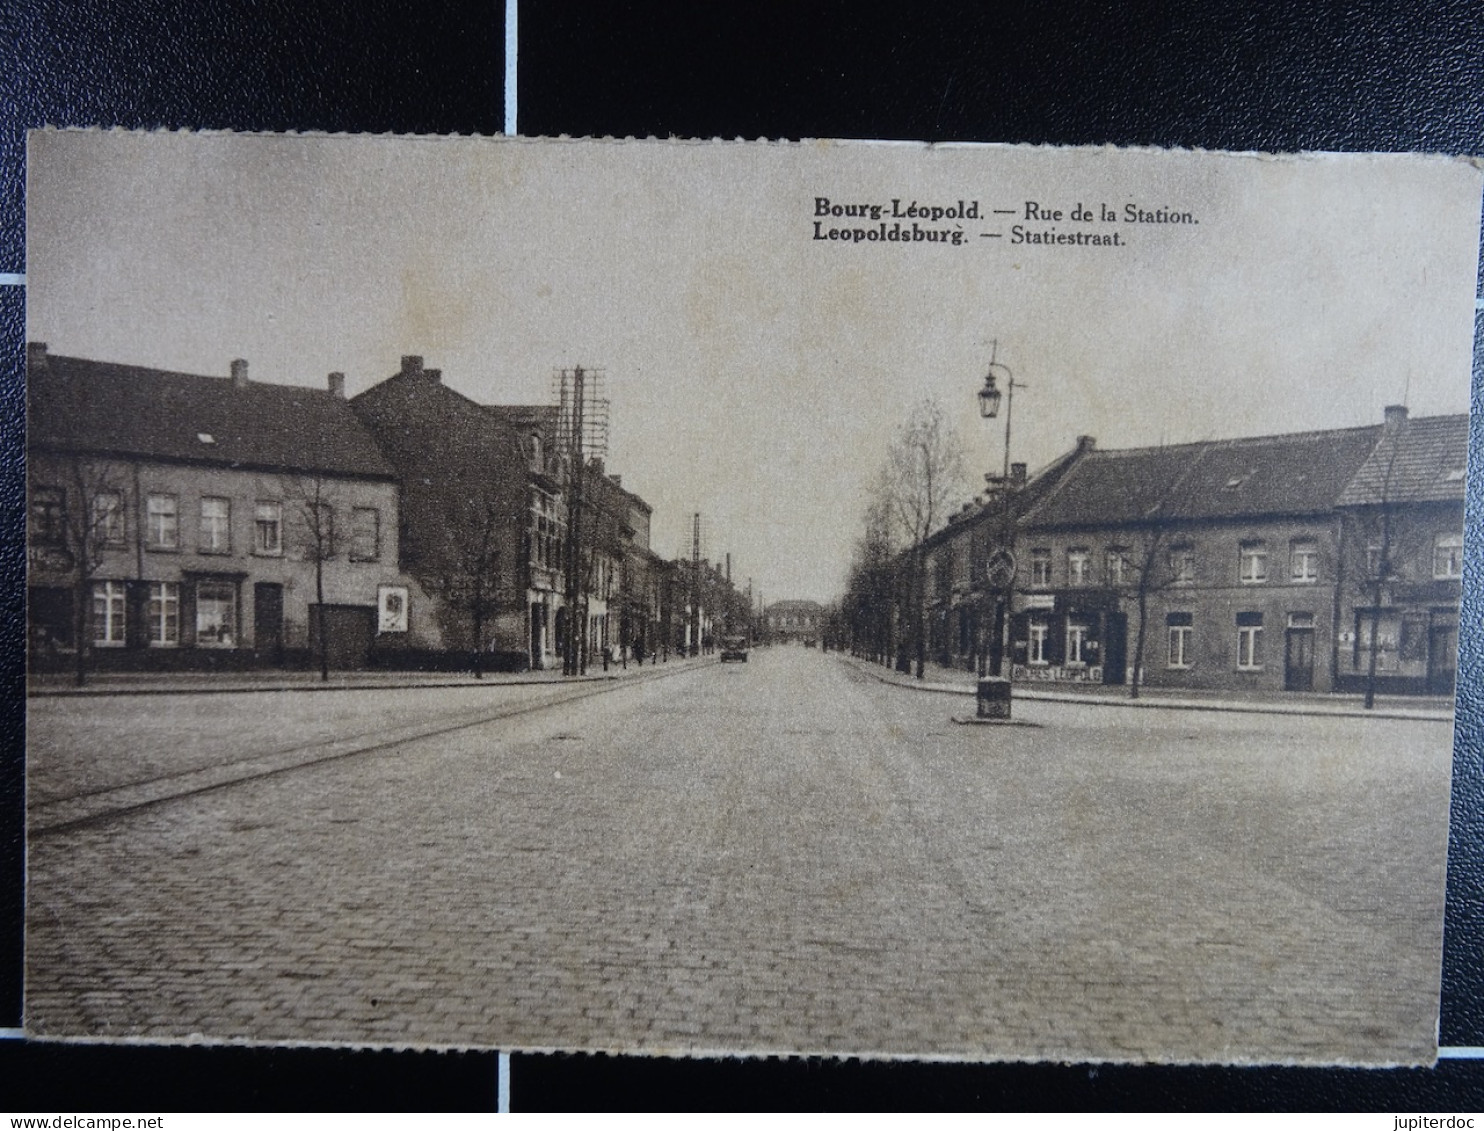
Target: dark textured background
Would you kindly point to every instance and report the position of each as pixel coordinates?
(1284, 77)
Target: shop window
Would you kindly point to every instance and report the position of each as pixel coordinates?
(216, 614)
(268, 529)
(365, 534)
(164, 614)
(1303, 561)
(162, 527)
(1384, 626)
(1253, 563)
(1180, 629)
(1249, 642)
(1040, 568)
(1447, 556)
(216, 525)
(108, 613)
(108, 518)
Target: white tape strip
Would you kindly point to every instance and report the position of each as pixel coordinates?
(504, 1104)
(511, 41)
(19, 280)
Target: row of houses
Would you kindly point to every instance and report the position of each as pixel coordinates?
(1315, 561)
(181, 520)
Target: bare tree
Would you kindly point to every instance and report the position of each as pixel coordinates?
(868, 600)
(469, 580)
(1379, 575)
(921, 479)
(314, 502)
(1149, 571)
(79, 522)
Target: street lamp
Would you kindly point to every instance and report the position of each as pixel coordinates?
(999, 566)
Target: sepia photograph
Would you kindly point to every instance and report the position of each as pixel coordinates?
(945, 602)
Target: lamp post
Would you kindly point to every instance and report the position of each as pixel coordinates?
(999, 566)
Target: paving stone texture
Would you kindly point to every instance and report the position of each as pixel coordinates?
(783, 855)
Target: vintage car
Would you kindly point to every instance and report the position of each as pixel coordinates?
(734, 648)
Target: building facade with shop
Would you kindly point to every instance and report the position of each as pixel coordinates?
(1220, 565)
(1401, 579)
(184, 521)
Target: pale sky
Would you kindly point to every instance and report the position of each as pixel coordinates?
(755, 372)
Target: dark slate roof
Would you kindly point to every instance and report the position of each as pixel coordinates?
(1422, 461)
(1037, 487)
(527, 418)
(1299, 473)
(77, 405)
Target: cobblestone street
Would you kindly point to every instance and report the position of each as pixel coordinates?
(782, 855)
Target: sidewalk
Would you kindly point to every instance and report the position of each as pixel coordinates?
(189, 683)
(955, 681)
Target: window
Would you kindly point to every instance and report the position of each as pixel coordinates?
(216, 614)
(1182, 565)
(1249, 642)
(1180, 630)
(108, 518)
(268, 529)
(1447, 555)
(108, 612)
(365, 534)
(1041, 567)
(1037, 642)
(1303, 560)
(164, 614)
(163, 525)
(1077, 567)
(216, 525)
(1254, 563)
(48, 516)
(1076, 643)
(1117, 566)
(1374, 565)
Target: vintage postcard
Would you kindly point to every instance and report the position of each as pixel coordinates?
(958, 602)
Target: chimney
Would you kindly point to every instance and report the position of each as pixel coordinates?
(433, 375)
(617, 480)
(337, 386)
(1396, 416)
(412, 363)
(1017, 475)
(36, 357)
(239, 374)
(1086, 444)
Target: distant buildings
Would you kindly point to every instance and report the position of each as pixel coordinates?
(178, 520)
(1264, 564)
(795, 620)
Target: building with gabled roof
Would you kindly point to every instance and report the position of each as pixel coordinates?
(182, 520)
(1401, 553)
(1221, 564)
(963, 601)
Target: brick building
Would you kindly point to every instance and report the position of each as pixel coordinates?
(1401, 559)
(472, 486)
(180, 520)
(1254, 564)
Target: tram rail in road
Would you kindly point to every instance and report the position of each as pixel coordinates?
(96, 806)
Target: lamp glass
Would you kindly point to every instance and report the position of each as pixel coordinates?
(989, 399)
